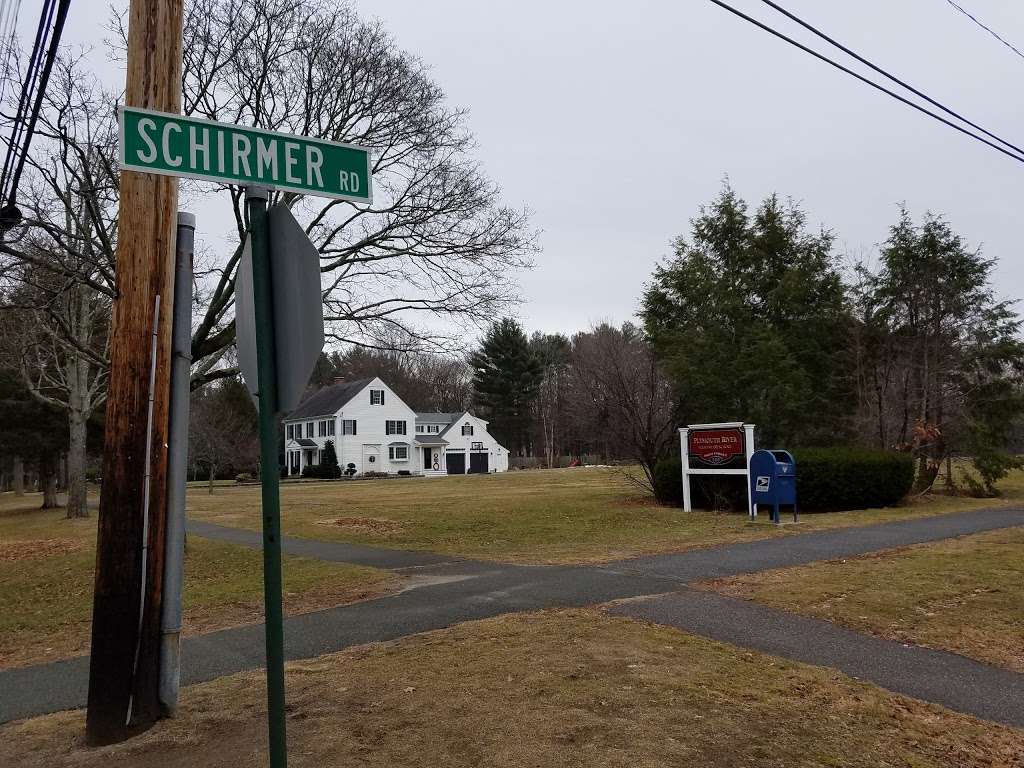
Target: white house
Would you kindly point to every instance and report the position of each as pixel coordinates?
(376, 431)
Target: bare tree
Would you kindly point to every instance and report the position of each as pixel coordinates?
(435, 244)
(220, 436)
(620, 386)
(58, 266)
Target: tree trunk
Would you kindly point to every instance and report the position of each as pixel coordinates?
(209, 487)
(77, 501)
(48, 480)
(19, 476)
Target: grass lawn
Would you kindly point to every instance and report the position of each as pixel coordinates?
(539, 516)
(961, 595)
(545, 690)
(46, 581)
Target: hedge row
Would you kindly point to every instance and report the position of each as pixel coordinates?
(851, 478)
(828, 479)
(322, 471)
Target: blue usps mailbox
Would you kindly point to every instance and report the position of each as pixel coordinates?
(773, 481)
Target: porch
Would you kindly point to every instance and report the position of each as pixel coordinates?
(299, 454)
(430, 450)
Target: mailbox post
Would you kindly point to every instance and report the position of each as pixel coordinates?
(773, 481)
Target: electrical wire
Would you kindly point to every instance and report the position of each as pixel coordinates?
(866, 80)
(991, 31)
(44, 53)
(893, 78)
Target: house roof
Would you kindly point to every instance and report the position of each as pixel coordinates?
(437, 418)
(430, 440)
(329, 400)
(305, 442)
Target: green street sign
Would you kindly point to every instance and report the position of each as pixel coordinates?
(175, 145)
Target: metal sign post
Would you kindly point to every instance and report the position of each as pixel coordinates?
(279, 308)
(256, 206)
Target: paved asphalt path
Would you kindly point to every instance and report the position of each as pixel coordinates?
(938, 676)
(447, 591)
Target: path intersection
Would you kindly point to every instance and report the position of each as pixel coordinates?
(444, 590)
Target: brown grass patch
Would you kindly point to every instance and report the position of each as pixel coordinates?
(545, 690)
(12, 552)
(368, 526)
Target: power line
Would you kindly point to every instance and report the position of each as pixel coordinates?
(891, 77)
(865, 80)
(44, 52)
(991, 31)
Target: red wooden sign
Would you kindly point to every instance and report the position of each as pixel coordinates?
(716, 446)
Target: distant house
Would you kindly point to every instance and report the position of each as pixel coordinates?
(376, 431)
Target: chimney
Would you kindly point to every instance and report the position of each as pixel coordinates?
(339, 379)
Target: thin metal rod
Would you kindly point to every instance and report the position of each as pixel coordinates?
(145, 495)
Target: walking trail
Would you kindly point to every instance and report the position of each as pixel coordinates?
(445, 591)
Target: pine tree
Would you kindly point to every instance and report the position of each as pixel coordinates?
(506, 378)
(749, 318)
(329, 461)
(944, 349)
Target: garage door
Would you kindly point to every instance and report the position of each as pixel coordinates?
(478, 463)
(456, 463)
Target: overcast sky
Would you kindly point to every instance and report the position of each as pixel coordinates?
(613, 122)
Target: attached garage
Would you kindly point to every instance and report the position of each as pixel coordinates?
(456, 463)
(478, 463)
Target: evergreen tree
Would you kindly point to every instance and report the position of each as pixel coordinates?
(943, 352)
(749, 319)
(506, 378)
(329, 461)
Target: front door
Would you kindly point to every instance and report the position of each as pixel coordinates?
(371, 458)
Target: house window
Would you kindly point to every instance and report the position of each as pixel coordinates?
(394, 427)
(434, 428)
(467, 429)
(290, 431)
(419, 428)
(376, 397)
(477, 446)
(309, 429)
(348, 426)
(398, 452)
(321, 428)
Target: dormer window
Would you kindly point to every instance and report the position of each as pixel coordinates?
(467, 429)
(419, 429)
(376, 397)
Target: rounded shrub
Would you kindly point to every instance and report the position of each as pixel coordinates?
(833, 479)
(668, 482)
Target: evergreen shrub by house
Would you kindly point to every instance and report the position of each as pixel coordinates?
(828, 480)
(321, 471)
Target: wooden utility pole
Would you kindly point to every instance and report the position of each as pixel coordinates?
(123, 671)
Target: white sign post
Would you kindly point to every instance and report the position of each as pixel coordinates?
(717, 444)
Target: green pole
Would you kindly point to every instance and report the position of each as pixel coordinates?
(256, 203)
